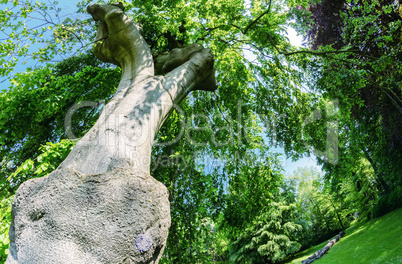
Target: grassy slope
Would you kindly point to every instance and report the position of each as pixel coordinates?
(380, 243)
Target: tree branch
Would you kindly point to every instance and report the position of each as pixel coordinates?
(392, 99)
(258, 18)
(220, 110)
(318, 53)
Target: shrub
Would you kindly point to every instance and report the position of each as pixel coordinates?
(388, 202)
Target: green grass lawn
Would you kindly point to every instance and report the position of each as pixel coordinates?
(380, 243)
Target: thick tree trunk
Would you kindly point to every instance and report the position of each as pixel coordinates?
(101, 205)
(324, 250)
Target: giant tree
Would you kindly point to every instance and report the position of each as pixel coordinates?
(76, 205)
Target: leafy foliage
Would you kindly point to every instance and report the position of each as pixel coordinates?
(5, 217)
(366, 81)
(44, 96)
(37, 31)
(52, 155)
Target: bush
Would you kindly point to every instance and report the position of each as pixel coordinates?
(388, 202)
(395, 198)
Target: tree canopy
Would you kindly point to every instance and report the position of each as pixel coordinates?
(339, 98)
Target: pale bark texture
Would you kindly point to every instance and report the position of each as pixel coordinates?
(101, 205)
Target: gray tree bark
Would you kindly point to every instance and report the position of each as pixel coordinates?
(101, 205)
(320, 253)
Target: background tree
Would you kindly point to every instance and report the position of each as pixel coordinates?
(320, 215)
(362, 70)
